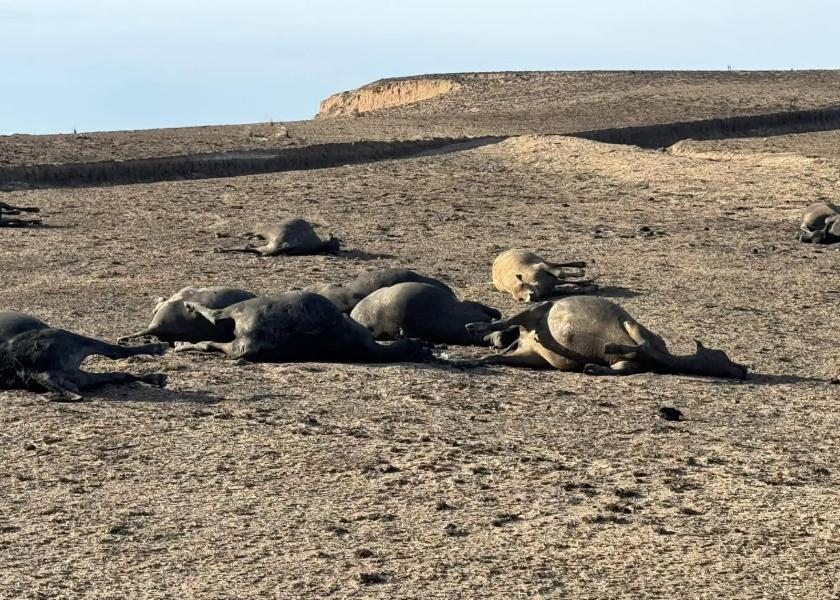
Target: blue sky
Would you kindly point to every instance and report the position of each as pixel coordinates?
(133, 64)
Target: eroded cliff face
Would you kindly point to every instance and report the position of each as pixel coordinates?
(384, 94)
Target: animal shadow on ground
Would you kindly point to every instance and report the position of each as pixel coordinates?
(357, 254)
(770, 379)
(132, 393)
(37, 225)
(612, 291)
(362, 255)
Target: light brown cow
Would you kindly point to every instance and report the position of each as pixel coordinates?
(528, 277)
(598, 337)
(820, 224)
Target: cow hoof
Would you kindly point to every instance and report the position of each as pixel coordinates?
(478, 328)
(65, 397)
(155, 379)
(593, 369)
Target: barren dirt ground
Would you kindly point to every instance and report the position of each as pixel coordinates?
(308, 480)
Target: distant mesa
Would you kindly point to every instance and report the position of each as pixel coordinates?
(386, 93)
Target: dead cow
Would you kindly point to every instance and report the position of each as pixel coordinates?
(600, 338)
(13, 323)
(298, 326)
(420, 310)
(7, 210)
(291, 237)
(171, 322)
(42, 359)
(820, 224)
(347, 296)
(527, 277)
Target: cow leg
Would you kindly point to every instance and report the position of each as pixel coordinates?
(502, 339)
(17, 209)
(284, 248)
(561, 274)
(523, 352)
(86, 381)
(527, 319)
(520, 358)
(487, 310)
(68, 350)
(66, 390)
(812, 237)
(114, 352)
(132, 336)
(561, 363)
(575, 288)
(212, 315)
(228, 348)
(623, 367)
(17, 222)
(245, 250)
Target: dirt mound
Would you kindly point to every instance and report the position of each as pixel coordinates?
(384, 94)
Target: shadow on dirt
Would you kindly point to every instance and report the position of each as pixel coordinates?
(611, 291)
(140, 393)
(362, 255)
(768, 379)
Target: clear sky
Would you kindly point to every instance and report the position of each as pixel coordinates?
(133, 64)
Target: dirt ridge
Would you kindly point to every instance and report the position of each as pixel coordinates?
(762, 125)
(222, 164)
(384, 94)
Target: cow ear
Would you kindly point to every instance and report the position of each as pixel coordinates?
(700, 346)
(519, 277)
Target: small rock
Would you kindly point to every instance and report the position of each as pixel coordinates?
(453, 530)
(119, 529)
(364, 553)
(506, 519)
(339, 531)
(688, 510)
(627, 493)
(372, 578)
(670, 413)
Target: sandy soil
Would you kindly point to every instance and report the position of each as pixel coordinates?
(309, 480)
(504, 103)
(822, 144)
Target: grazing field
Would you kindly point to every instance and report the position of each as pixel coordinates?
(427, 481)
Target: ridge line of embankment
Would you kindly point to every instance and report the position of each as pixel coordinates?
(224, 164)
(318, 156)
(761, 125)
